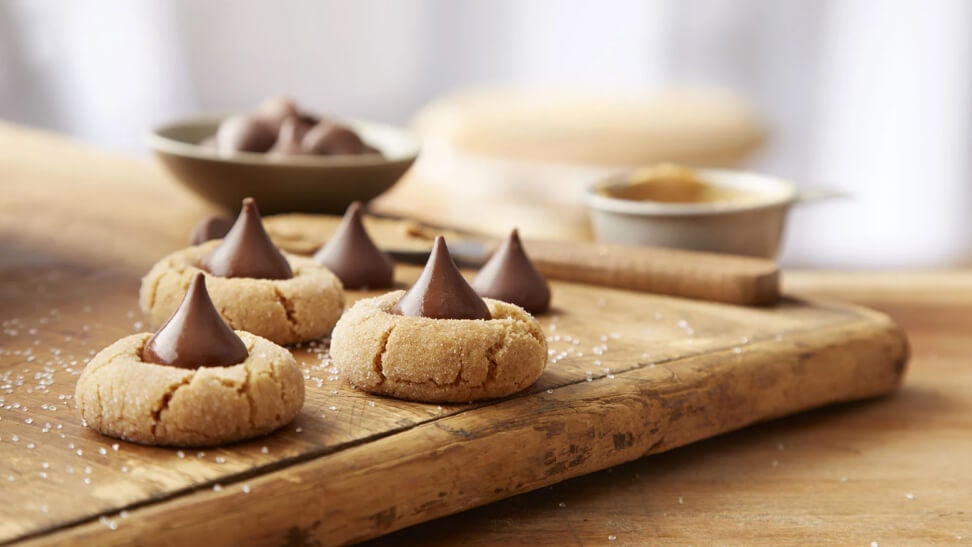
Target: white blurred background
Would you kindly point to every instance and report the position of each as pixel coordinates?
(869, 96)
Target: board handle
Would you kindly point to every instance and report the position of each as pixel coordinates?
(689, 274)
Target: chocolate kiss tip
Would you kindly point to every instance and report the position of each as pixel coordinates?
(195, 336)
(247, 250)
(353, 256)
(510, 276)
(441, 292)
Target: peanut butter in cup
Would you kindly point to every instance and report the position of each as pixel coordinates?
(247, 250)
(441, 292)
(195, 335)
(353, 256)
(510, 276)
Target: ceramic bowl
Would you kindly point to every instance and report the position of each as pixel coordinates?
(752, 227)
(311, 184)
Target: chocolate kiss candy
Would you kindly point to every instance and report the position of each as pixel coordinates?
(328, 138)
(243, 133)
(353, 257)
(441, 292)
(195, 336)
(209, 228)
(510, 276)
(288, 140)
(247, 251)
(277, 109)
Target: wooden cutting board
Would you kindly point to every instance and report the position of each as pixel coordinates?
(629, 375)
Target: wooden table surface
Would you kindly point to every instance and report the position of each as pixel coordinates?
(892, 471)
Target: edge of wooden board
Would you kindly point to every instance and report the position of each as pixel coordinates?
(332, 499)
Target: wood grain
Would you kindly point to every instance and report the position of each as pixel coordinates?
(64, 297)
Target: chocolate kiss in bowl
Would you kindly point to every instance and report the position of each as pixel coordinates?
(195, 336)
(288, 139)
(242, 133)
(353, 257)
(247, 251)
(329, 138)
(510, 276)
(276, 110)
(441, 292)
(210, 228)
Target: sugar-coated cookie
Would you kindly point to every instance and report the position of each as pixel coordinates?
(438, 360)
(121, 395)
(285, 311)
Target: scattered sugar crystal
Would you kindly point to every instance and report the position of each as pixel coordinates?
(103, 451)
(87, 480)
(299, 430)
(264, 450)
(371, 403)
(123, 514)
(220, 459)
(562, 505)
(910, 496)
(549, 391)
(681, 500)
(79, 452)
(44, 508)
(217, 488)
(31, 446)
(245, 488)
(612, 537)
(115, 447)
(124, 469)
(332, 408)
(874, 544)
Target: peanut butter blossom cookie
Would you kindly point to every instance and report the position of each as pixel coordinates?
(439, 341)
(255, 286)
(195, 382)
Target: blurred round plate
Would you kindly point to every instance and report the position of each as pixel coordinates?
(310, 184)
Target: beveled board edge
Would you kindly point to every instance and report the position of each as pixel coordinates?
(489, 453)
